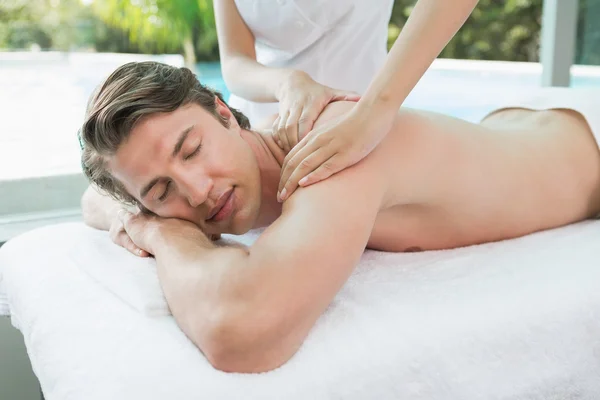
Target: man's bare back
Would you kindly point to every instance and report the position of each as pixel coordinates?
(452, 183)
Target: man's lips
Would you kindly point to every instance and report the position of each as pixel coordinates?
(220, 203)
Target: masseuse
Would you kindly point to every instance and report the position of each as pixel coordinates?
(304, 54)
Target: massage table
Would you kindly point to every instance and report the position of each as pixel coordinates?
(517, 319)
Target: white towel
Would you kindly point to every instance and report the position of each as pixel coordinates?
(514, 320)
(132, 279)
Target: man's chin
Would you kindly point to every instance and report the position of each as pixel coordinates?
(241, 224)
(239, 230)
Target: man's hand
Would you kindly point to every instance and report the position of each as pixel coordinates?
(121, 238)
(141, 232)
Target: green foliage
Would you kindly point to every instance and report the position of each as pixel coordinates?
(49, 24)
(163, 25)
(496, 30)
(509, 30)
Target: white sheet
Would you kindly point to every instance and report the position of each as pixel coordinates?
(512, 320)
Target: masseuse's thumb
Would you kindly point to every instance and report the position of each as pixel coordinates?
(344, 95)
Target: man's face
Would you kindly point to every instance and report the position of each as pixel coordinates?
(187, 165)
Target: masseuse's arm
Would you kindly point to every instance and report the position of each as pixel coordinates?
(300, 98)
(329, 149)
(243, 75)
(249, 310)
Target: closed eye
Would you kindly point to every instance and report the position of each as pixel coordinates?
(166, 192)
(192, 154)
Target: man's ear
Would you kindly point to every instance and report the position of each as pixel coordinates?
(223, 110)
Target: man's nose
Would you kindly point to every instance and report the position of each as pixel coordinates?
(196, 188)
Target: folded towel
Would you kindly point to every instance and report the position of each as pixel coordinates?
(132, 279)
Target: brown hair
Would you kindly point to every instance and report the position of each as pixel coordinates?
(132, 92)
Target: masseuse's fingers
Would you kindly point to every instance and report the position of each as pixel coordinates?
(343, 95)
(307, 156)
(331, 166)
(275, 132)
(279, 130)
(302, 150)
(298, 170)
(290, 130)
(307, 120)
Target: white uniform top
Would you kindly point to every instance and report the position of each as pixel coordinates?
(339, 43)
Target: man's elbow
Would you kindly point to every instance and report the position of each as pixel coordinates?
(88, 209)
(234, 346)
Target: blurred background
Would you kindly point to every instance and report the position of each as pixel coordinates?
(54, 52)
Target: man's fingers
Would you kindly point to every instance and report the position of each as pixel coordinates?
(128, 244)
(299, 167)
(124, 216)
(120, 237)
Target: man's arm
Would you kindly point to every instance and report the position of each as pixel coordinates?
(99, 210)
(249, 310)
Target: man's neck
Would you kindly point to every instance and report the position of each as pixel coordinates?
(270, 159)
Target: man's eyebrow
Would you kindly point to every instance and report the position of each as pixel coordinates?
(180, 141)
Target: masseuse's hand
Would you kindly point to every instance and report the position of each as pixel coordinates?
(338, 144)
(301, 100)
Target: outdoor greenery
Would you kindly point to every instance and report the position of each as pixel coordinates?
(497, 29)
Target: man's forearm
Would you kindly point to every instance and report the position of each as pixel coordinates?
(98, 210)
(223, 301)
(206, 287)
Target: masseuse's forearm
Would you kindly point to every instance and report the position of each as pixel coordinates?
(253, 81)
(431, 25)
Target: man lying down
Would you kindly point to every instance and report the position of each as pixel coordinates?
(156, 139)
